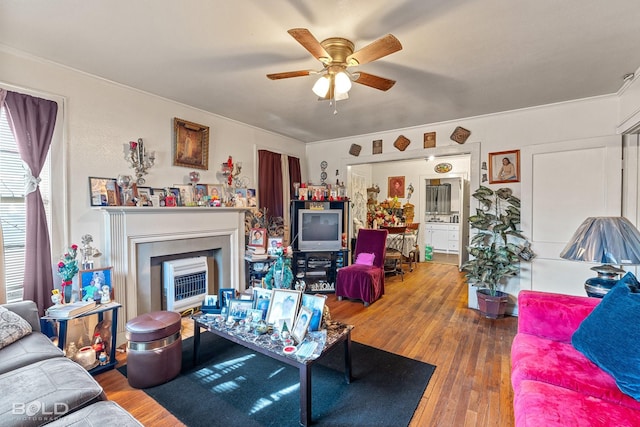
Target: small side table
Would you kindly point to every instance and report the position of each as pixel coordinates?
(100, 310)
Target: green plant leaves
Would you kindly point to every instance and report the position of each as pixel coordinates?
(496, 246)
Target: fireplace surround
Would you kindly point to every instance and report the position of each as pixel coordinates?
(138, 239)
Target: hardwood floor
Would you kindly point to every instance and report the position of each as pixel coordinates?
(425, 317)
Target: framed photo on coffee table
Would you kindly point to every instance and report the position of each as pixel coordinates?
(283, 306)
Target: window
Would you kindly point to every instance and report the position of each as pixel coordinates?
(13, 208)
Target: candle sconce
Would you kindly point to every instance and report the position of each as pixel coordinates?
(231, 171)
(139, 160)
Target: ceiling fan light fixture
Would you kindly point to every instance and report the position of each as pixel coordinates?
(342, 82)
(321, 87)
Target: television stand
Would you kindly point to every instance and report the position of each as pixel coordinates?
(318, 269)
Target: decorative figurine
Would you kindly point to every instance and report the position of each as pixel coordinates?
(56, 297)
(105, 295)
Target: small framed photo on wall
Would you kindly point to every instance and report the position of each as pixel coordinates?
(504, 167)
(395, 186)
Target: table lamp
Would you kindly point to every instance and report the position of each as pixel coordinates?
(608, 240)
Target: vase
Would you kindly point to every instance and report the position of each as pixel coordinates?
(492, 306)
(66, 289)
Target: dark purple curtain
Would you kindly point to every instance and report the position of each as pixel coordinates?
(295, 175)
(270, 182)
(32, 121)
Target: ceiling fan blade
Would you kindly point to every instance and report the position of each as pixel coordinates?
(374, 81)
(309, 42)
(382, 47)
(288, 74)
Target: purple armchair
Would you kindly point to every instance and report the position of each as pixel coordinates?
(362, 281)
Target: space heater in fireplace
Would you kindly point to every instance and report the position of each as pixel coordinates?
(184, 283)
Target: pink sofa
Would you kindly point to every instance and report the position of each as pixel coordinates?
(554, 384)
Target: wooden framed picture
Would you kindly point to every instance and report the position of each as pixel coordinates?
(144, 196)
(504, 167)
(377, 147)
(258, 237)
(283, 306)
(104, 192)
(94, 283)
(315, 303)
(302, 324)
(128, 197)
(191, 144)
(239, 308)
(395, 186)
(429, 140)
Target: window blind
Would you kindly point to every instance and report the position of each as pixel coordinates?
(13, 208)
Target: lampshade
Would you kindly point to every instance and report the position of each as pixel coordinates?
(321, 88)
(334, 86)
(607, 240)
(342, 82)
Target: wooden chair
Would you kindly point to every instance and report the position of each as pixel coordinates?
(395, 245)
(414, 253)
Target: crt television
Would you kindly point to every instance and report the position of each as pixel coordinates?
(319, 230)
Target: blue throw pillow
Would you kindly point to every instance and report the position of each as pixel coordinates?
(610, 335)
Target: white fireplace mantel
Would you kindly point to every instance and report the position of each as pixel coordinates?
(125, 228)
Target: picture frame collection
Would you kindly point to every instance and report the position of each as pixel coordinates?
(107, 192)
(301, 312)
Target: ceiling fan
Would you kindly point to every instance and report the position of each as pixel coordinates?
(336, 55)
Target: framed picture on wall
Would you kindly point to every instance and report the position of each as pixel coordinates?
(191, 144)
(395, 186)
(504, 167)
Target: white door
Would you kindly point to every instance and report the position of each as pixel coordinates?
(463, 232)
(562, 184)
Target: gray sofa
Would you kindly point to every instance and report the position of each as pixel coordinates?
(41, 386)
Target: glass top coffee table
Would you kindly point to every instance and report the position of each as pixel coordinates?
(336, 333)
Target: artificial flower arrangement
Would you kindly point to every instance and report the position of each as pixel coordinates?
(383, 215)
(67, 269)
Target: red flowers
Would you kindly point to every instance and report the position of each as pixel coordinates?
(133, 145)
(68, 265)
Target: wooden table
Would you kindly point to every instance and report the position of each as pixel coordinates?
(336, 333)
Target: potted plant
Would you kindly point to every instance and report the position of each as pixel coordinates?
(497, 248)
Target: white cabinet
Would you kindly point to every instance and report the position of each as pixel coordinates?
(453, 238)
(442, 237)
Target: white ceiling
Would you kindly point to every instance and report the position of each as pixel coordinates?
(459, 59)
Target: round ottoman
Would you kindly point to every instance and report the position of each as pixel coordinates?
(154, 348)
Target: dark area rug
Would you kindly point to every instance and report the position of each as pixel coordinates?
(232, 386)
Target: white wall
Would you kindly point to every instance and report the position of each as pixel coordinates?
(101, 116)
(512, 130)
